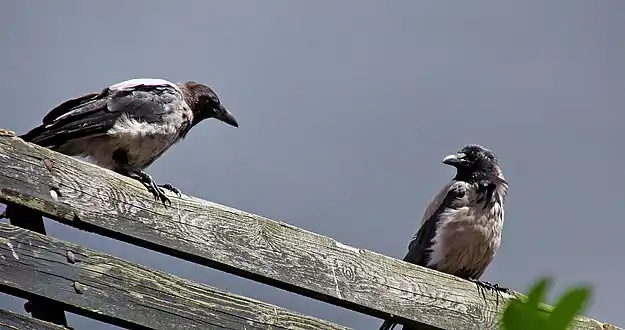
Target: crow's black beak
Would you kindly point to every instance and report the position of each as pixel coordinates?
(226, 116)
(453, 160)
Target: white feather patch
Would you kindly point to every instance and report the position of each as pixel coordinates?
(132, 83)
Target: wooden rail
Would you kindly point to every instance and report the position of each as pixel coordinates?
(115, 291)
(267, 251)
(38, 307)
(9, 320)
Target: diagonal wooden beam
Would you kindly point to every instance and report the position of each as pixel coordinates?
(267, 251)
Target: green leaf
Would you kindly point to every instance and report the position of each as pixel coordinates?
(569, 305)
(513, 318)
(517, 317)
(525, 315)
(528, 315)
(537, 294)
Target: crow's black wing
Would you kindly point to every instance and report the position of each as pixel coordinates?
(95, 114)
(419, 247)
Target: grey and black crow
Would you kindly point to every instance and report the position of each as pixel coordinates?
(129, 125)
(461, 227)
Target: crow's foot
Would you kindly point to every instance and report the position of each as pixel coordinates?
(146, 179)
(496, 287)
(482, 286)
(171, 188)
(121, 157)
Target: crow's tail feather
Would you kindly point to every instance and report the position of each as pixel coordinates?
(47, 137)
(77, 118)
(34, 135)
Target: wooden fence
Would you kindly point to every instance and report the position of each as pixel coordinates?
(57, 276)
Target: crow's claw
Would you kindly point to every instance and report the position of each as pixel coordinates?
(158, 192)
(482, 286)
(171, 188)
(146, 179)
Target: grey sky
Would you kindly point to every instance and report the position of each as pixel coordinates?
(346, 110)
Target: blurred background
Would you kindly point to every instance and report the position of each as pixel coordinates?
(347, 109)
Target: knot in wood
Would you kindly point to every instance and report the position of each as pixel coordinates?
(345, 270)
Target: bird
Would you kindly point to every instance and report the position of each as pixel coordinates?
(462, 225)
(127, 126)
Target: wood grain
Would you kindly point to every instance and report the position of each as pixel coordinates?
(13, 321)
(242, 243)
(41, 309)
(119, 292)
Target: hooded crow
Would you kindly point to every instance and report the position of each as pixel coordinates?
(129, 125)
(461, 227)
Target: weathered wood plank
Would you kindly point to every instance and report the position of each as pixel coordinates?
(32, 220)
(13, 321)
(116, 291)
(241, 243)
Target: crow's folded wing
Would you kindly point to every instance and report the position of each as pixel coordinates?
(96, 113)
(447, 198)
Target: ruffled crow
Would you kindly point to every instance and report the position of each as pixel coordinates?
(461, 227)
(129, 125)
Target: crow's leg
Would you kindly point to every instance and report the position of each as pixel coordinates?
(149, 183)
(171, 188)
(121, 157)
(484, 285)
(481, 288)
(496, 287)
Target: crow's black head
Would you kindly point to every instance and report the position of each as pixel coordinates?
(473, 161)
(206, 104)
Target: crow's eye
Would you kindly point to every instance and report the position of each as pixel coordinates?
(209, 99)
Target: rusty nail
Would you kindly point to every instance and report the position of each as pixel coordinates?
(79, 288)
(49, 163)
